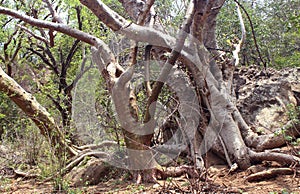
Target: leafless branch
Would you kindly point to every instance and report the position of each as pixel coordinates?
(55, 16)
(33, 34)
(45, 60)
(253, 33)
(145, 12)
(239, 45)
(171, 61)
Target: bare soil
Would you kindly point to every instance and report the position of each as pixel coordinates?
(219, 180)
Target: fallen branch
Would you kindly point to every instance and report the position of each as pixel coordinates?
(267, 174)
(24, 174)
(106, 143)
(178, 171)
(8, 172)
(75, 162)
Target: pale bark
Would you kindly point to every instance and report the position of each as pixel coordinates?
(226, 123)
(36, 112)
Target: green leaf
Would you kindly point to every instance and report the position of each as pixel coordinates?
(2, 116)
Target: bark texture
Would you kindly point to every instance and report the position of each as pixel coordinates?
(37, 113)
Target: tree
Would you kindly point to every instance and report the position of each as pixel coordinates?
(186, 62)
(275, 30)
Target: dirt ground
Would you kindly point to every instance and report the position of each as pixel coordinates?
(219, 180)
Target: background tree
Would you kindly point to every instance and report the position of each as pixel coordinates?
(276, 29)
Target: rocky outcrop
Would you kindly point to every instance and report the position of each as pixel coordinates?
(266, 99)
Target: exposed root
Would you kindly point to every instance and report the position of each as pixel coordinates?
(270, 141)
(77, 159)
(178, 171)
(146, 176)
(97, 146)
(267, 174)
(281, 158)
(12, 173)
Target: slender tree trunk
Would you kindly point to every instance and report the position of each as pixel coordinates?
(36, 112)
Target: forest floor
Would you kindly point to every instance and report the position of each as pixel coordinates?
(219, 180)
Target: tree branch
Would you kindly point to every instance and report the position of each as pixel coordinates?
(145, 12)
(129, 29)
(240, 43)
(32, 34)
(253, 33)
(107, 55)
(185, 28)
(36, 113)
(71, 53)
(45, 60)
(55, 16)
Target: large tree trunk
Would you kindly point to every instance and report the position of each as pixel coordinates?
(209, 78)
(212, 76)
(218, 88)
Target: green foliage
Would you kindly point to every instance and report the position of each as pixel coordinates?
(293, 112)
(60, 185)
(294, 118)
(276, 26)
(292, 60)
(172, 12)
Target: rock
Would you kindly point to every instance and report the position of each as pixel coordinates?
(89, 174)
(264, 99)
(156, 186)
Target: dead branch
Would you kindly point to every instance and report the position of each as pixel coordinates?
(85, 37)
(267, 174)
(239, 45)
